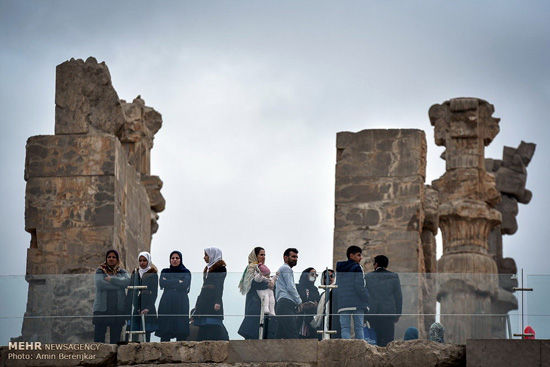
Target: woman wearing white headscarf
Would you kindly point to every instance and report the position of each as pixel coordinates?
(209, 308)
(143, 301)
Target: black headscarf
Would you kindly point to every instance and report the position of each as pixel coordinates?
(305, 283)
(176, 269)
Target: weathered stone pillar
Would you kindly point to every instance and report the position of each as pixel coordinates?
(511, 176)
(84, 196)
(379, 207)
(467, 197)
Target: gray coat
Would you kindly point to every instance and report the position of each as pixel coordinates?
(118, 283)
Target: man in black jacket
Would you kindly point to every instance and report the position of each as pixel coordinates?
(352, 295)
(386, 300)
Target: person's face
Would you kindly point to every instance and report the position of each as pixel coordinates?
(356, 257)
(143, 262)
(206, 258)
(291, 259)
(312, 275)
(111, 259)
(174, 260)
(331, 277)
(261, 256)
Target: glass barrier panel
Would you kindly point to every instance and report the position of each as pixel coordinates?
(74, 308)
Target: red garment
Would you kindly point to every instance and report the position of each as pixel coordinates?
(529, 330)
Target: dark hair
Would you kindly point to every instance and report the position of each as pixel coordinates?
(382, 261)
(114, 252)
(289, 250)
(353, 250)
(257, 250)
(324, 276)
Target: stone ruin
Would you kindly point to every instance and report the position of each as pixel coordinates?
(383, 205)
(89, 189)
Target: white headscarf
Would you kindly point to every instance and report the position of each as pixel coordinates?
(146, 255)
(214, 255)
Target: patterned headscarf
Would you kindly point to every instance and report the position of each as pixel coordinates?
(111, 270)
(437, 333)
(248, 274)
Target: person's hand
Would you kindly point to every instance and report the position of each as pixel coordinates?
(270, 284)
(108, 278)
(217, 307)
(145, 311)
(300, 307)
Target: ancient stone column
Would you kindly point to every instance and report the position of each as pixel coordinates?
(84, 195)
(467, 214)
(511, 176)
(379, 206)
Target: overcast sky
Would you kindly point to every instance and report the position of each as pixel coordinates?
(253, 93)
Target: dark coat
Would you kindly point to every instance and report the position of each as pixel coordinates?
(308, 293)
(385, 290)
(250, 327)
(212, 291)
(144, 299)
(351, 291)
(174, 301)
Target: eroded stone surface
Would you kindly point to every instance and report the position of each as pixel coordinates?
(179, 352)
(379, 199)
(467, 214)
(88, 190)
(85, 100)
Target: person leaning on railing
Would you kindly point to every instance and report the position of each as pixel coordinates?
(110, 298)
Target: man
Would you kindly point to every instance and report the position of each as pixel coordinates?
(352, 295)
(386, 300)
(288, 299)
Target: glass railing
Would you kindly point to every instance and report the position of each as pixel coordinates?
(60, 308)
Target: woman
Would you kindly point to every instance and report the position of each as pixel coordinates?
(318, 321)
(143, 300)
(310, 298)
(109, 304)
(251, 282)
(437, 333)
(209, 307)
(173, 321)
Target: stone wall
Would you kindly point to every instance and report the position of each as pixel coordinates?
(380, 206)
(264, 353)
(85, 195)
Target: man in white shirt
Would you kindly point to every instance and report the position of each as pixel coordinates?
(288, 299)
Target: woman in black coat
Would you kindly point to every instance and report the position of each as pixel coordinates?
(251, 282)
(209, 308)
(143, 300)
(174, 303)
(310, 298)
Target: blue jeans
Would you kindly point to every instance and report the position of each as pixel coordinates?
(345, 324)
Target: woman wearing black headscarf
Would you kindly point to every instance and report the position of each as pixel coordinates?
(310, 297)
(174, 303)
(109, 303)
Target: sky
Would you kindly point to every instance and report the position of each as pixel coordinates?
(253, 93)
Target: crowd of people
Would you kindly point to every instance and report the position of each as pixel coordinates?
(355, 304)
